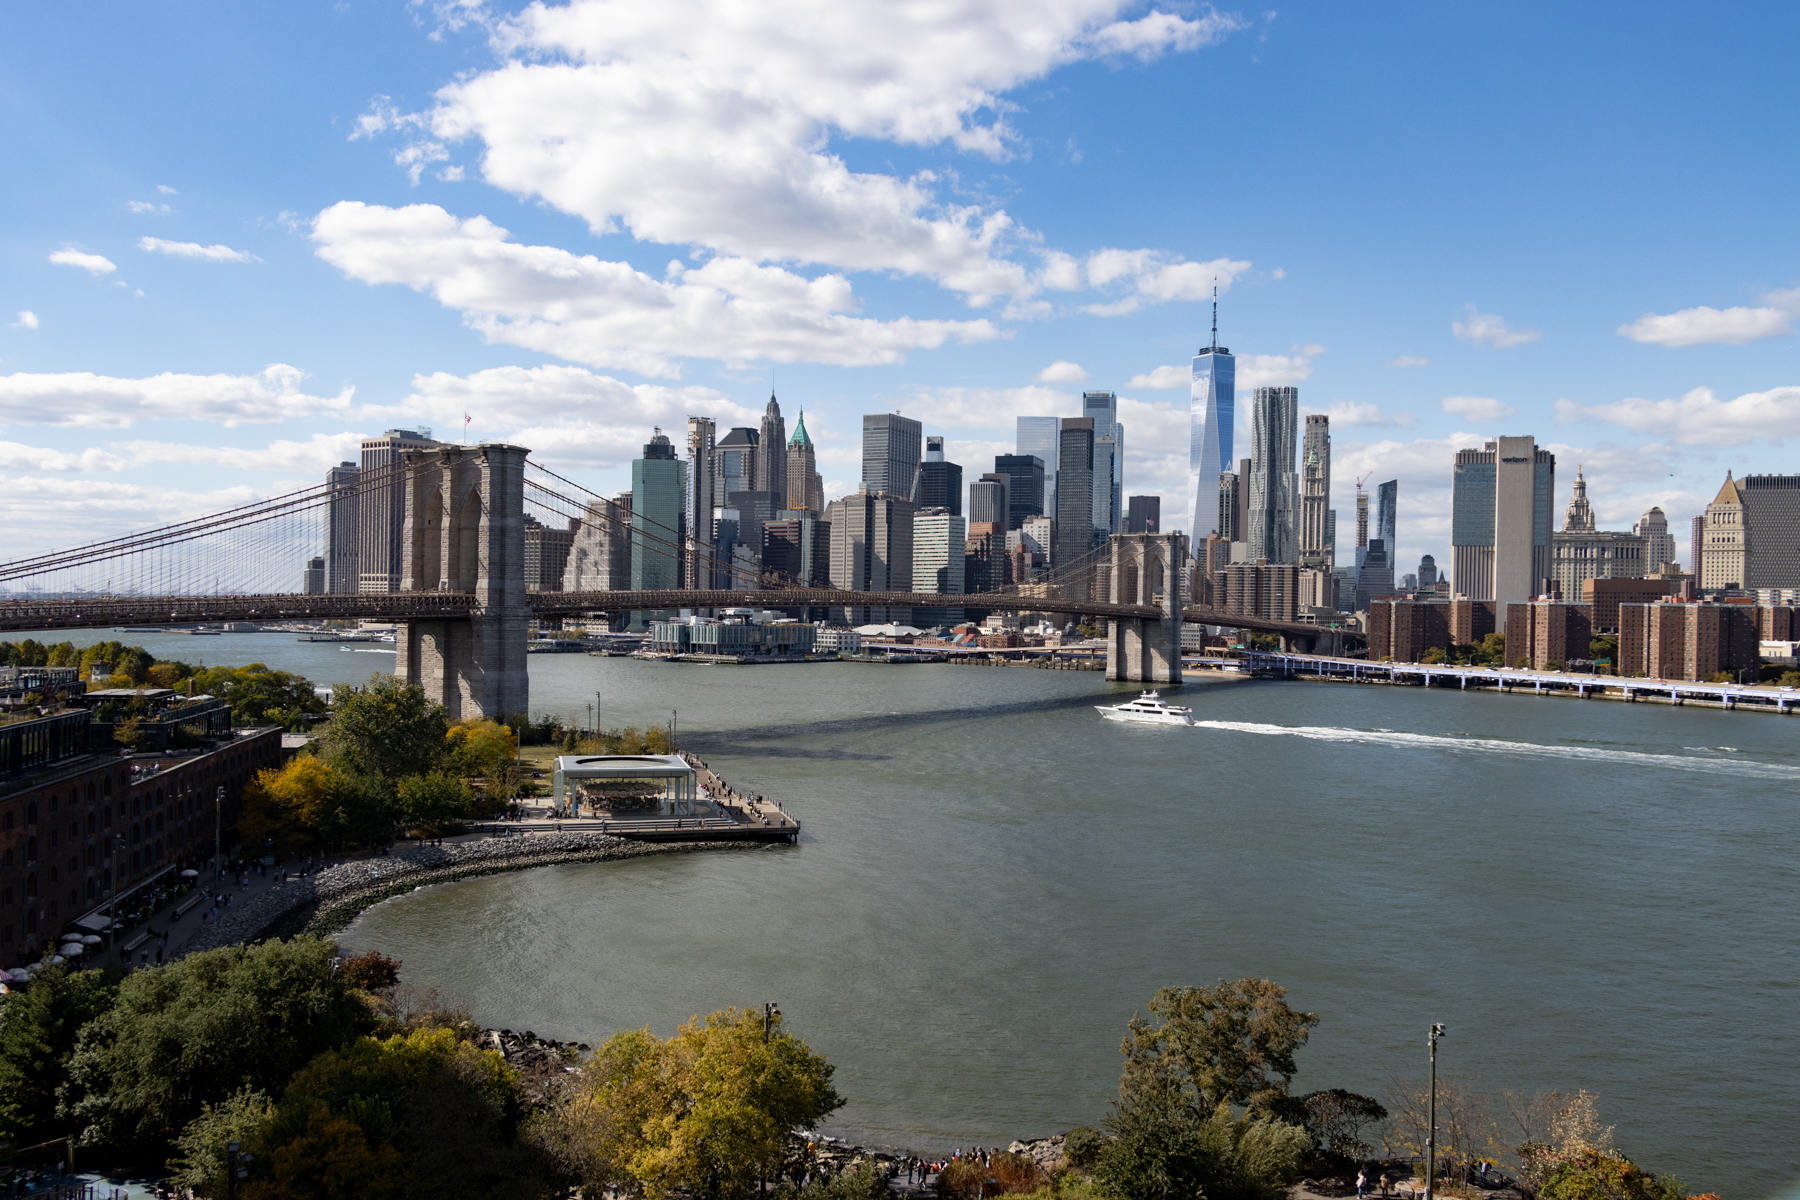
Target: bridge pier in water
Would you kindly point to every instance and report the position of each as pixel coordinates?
(464, 532)
(1147, 568)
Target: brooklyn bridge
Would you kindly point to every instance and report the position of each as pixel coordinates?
(462, 607)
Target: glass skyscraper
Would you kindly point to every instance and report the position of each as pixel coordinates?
(1214, 403)
(1041, 436)
(1109, 459)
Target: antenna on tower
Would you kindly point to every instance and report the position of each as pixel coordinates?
(1215, 344)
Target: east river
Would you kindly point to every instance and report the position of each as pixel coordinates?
(992, 880)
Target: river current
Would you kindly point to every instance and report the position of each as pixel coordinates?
(991, 880)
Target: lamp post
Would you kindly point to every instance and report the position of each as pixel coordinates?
(770, 1012)
(219, 834)
(1437, 1031)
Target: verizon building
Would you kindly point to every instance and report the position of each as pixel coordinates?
(1500, 520)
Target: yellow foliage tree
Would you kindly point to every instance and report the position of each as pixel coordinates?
(298, 802)
(709, 1111)
(480, 747)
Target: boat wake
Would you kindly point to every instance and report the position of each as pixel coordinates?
(1476, 745)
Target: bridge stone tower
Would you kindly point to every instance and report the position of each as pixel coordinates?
(465, 532)
(1147, 568)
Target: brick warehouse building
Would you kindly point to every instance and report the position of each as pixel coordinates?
(81, 827)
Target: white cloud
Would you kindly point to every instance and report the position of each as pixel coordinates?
(93, 264)
(1353, 412)
(45, 512)
(166, 190)
(147, 208)
(1153, 277)
(1275, 370)
(1063, 372)
(312, 457)
(1705, 326)
(565, 415)
(689, 124)
(1700, 418)
(610, 314)
(985, 408)
(1486, 327)
(87, 401)
(27, 320)
(1409, 360)
(1163, 378)
(15, 456)
(214, 253)
(1483, 409)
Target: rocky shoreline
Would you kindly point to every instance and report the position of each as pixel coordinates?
(329, 899)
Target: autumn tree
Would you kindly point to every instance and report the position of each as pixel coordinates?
(479, 747)
(433, 800)
(1232, 1044)
(310, 802)
(709, 1111)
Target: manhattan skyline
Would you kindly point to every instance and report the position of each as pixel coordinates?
(237, 243)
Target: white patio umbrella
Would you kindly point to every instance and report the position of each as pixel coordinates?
(74, 948)
(92, 939)
(190, 873)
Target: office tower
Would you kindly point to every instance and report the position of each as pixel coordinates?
(1725, 539)
(1241, 521)
(987, 567)
(754, 512)
(735, 462)
(1074, 503)
(702, 438)
(988, 499)
(1038, 536)
(725, 546)
(891, 454)
(939, 538)
(1212, 404)
(1227, 523)
(1500, 520)
(1042, 437)
(871, 551)
(797, 549)
(1315, 546)
(1428, 573)
(1274, 486)
(1025, 487)
(1109, 459)
(1387, 509)
(313, 580)
(805, 488)
(658, 525)
(771, 454)
(600, 554)
(1376, 575)
(381, 508)
(342, 530)
(1772, 530)
(1143, 514)
(1653, 527)
(547, 554)
(940, 482)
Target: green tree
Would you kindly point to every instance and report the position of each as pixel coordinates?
(1166, 1147)
(710, 1110)
(1335, 1118)
(38, 1032)
(307, 802)
(1433, 654)
(260, 695)
(433, 799)
(1232, 1044)
(387, 729)
(63, 654)
(199, 1162)
(1490, 651)
(197, 1030)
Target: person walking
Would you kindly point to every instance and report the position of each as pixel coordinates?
(1362, 1183)
(1384, 1183)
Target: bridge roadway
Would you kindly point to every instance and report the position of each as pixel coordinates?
(104, 612)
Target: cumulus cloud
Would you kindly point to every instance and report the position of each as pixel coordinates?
(42, 512)
(565, 415)
(985, 408)
(1276, 370)
(1705, 326)
(1063, 372)
(1477, 408)
(610, 314)
(688, 124)
(1355, 412)
(1409, 360)
(1490, 329)
(166, 190)
(213, 253)
(1153, 277)
(93, 264)
(1163, 378)
(15, 456)
(27, 320)
(87, 401)
(146, 208)
(1700, 418)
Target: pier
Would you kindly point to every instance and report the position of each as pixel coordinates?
(1521, 681)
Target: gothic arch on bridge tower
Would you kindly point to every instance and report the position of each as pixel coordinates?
(464, 542)
(1146, 570)
(426, 546)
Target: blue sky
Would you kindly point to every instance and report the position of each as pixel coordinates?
(236, 238)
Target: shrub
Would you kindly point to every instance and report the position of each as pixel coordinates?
(1083, 1146)
(370, 971)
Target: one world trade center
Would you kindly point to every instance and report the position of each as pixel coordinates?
(1209, 433)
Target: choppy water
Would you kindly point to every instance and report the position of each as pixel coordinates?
(992, 880)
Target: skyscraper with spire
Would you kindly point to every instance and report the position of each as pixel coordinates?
(771, 467)
(1212, 411)
(805, 488)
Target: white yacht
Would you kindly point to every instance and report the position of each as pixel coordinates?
(1148, 709)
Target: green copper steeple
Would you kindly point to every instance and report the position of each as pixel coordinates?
(800, 438)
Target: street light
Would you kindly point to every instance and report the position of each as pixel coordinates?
(770, 1012)
(1437, 1031)
(219, 833)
